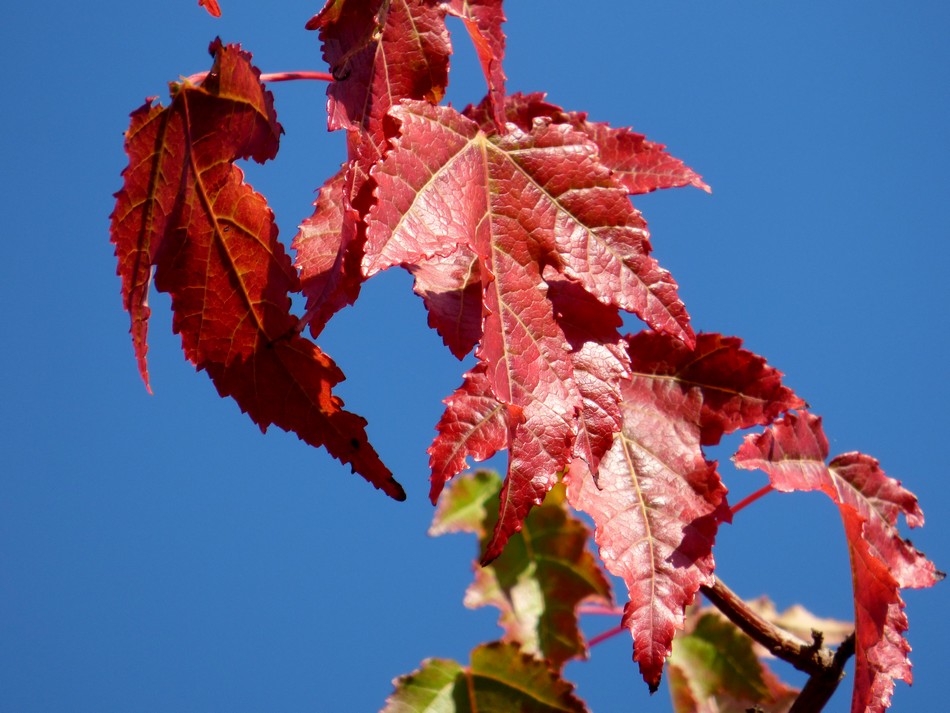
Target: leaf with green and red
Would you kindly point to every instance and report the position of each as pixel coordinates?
(328, 255)
(793, 452)
(714, 669)
(740, 390)
(641, 166)
(656, 506)
(499, 678)
(213, 241)
(451, 287)
(545, 572)
(483, 20)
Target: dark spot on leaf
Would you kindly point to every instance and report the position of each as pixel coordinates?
(341, 72)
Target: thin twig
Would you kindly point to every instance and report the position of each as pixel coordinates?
(599, 609)
(811, 658)
(821, 686)
(824, 667)
(603, 636)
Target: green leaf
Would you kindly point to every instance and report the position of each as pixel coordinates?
(545, 571)
(462, 506)
(714, 667)
(500, 678)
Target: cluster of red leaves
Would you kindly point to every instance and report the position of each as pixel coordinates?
(514, 218)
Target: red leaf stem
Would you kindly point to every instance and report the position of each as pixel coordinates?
(274, 76)
(749, 499)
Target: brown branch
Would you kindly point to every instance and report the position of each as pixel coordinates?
(821, 686)
(824, 667)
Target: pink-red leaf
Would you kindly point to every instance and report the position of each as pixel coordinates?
(474, 424)
(328, 256)
(739, 389)
(641, 166)
(655, 508)
(793, 453)
(186, 209)
(600, 363)
(533, 208)
(451, 287)
(483, 20)
(447, 183)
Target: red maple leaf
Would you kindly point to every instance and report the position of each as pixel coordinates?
(477, 424)
(739, 389)
(451, 287)
(531, 207)
(380, 52)
(655, 500)
(793, 453)
(328, 254)
(186, 210)
(483, 20)
(641, 166)
(474, 424)
(600, 363)
(655, 508)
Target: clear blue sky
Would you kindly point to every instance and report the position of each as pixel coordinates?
(159, 554)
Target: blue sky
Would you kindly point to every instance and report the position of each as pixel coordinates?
(158, 553)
